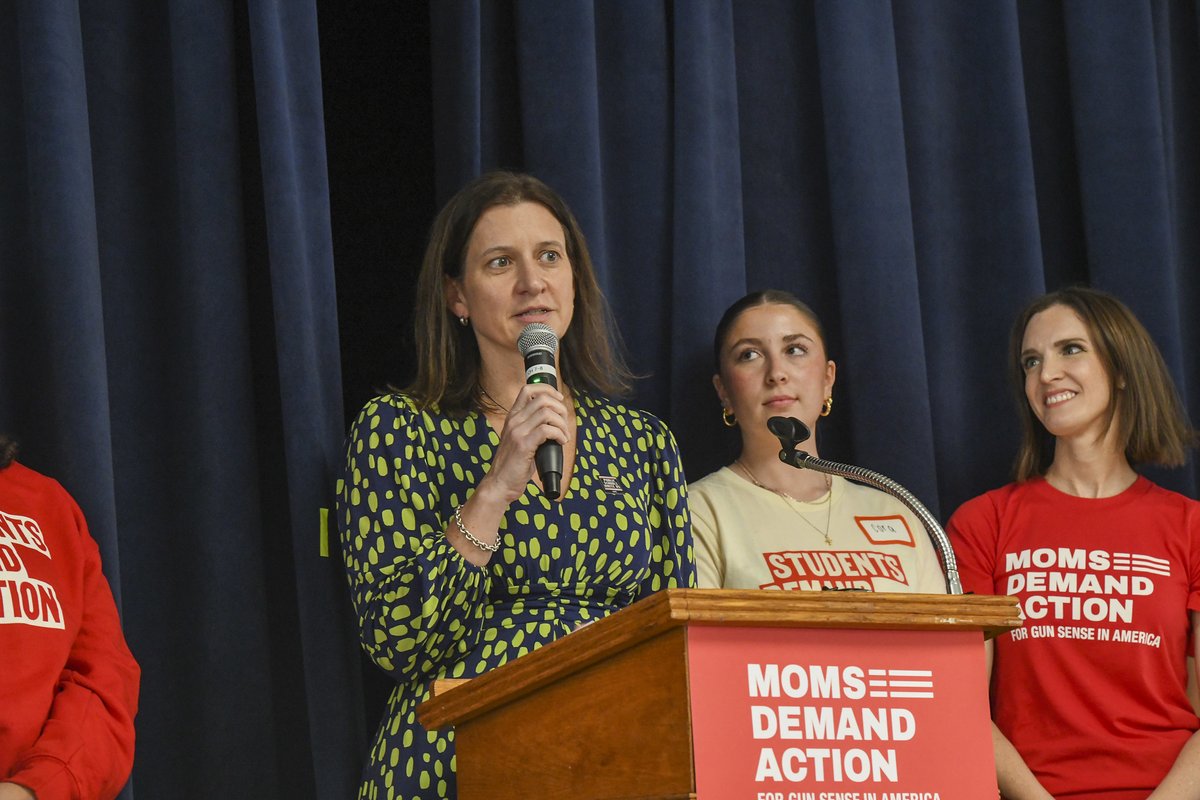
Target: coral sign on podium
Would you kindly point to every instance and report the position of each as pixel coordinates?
(838, 714)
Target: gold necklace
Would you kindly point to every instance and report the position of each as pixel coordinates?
(788, 500)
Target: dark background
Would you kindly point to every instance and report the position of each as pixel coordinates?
(376, 81)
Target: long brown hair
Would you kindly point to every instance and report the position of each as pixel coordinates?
(447, 354)
(1151, 425)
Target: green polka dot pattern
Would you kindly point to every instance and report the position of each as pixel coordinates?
(619, 533)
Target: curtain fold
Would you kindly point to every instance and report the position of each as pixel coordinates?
(707, 241)
(1121, 97)
(299, 250)
(52, 277)
(874, 240)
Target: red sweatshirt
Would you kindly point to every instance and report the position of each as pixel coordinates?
(68, 683)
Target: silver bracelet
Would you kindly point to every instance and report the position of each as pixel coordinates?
(470, 537)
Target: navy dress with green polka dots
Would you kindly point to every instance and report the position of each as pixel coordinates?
(619, 533)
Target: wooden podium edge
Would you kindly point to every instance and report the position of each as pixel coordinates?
(672, 608)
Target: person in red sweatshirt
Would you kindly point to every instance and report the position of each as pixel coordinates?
(68, 683)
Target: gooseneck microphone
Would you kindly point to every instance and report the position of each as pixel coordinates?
(538, 344)
(791, 432)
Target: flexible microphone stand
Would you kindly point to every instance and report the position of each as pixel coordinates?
(791, 432)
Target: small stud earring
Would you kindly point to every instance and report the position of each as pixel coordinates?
(462, 321)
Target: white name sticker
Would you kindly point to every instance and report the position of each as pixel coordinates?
(886, 530)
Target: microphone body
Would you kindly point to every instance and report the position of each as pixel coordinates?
(538, 344)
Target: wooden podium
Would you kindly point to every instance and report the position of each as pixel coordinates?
(629, 706)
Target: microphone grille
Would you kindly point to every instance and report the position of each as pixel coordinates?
(537, 336)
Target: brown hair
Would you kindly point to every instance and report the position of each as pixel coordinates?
(765, 297)
(447, 354)
(1151, 424)
(8, 450)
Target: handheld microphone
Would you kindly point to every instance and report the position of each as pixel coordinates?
(538, 344)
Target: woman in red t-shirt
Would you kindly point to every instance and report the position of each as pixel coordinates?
(1089, 697)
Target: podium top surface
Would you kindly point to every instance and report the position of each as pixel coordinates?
(676, 608)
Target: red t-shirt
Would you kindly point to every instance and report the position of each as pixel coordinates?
(68, 685)
(1092, 689)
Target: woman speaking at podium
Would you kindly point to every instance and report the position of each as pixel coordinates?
(1089, 696)
(762, 524)
(460, 557)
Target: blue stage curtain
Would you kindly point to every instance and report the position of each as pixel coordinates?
(916, 170)
(170, 354)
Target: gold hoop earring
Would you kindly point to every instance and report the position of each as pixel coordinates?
(828, 407)
(728, 418)
(462, 321)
